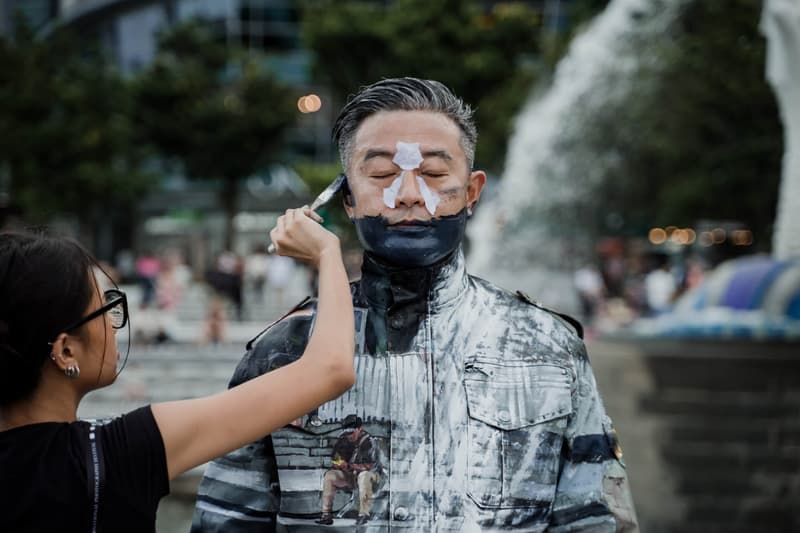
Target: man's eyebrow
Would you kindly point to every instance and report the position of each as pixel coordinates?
(377, 153)
(442, 154)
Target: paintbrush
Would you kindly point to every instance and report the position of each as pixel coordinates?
(323, 198)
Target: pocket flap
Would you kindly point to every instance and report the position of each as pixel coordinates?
(514, 396)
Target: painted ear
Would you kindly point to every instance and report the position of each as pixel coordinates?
(347, 195)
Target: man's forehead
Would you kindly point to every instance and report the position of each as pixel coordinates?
(432, 130)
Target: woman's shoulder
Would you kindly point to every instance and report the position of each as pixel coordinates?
(39, 433)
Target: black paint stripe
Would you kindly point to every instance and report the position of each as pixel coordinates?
(573, 514)
(237, 508)
(590, 449)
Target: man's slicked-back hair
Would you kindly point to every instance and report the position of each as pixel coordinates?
(403, 94)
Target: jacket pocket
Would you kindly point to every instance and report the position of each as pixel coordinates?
(517, 416)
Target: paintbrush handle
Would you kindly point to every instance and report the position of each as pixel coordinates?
(323, 198)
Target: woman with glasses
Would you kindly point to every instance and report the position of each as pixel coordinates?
(58, 342)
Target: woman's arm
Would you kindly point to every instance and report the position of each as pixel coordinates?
(195, 431)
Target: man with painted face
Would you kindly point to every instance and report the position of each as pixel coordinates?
(482, 403)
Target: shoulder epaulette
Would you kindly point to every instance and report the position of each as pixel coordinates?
(297, 307)
(576, 325)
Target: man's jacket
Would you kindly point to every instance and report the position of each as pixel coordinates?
(483, 405)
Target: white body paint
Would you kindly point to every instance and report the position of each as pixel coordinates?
(409, 158)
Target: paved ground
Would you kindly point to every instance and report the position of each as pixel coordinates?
(623, 381)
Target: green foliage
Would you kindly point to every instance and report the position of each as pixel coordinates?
(66, 138)
(486, 56)
(221, 114)
(217, 110)
(317, 175)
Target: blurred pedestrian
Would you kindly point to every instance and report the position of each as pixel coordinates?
(216, 323)
(591, 290)
(280, 271)
(660, 285)
(147, 268)
(171, 281)
(255, 271)
(226, 279)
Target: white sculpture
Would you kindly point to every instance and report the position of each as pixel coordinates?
(780, 22)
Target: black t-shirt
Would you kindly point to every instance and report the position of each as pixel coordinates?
(45, 472)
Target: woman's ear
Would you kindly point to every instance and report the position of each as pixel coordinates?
(62, 352)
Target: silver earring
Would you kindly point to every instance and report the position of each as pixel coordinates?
(52, 357)
(72, 371)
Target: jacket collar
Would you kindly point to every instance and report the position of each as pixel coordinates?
(386, 286)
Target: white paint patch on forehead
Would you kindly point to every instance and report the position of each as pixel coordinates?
(408, 157)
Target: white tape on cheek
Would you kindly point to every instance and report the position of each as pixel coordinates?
(390, 192)
(431, 198)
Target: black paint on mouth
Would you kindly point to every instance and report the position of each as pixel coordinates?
(413, 243)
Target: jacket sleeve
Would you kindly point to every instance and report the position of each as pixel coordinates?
(593, 493)
(240, 492)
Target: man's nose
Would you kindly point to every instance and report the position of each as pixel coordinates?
(409, 193)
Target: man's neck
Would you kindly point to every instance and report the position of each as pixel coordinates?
(386, 285)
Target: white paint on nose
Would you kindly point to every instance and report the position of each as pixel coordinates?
(390, 192)
(408, 158)
(431, 198)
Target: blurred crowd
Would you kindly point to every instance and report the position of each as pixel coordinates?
(620, 286)
(617, 287)
(234, 288)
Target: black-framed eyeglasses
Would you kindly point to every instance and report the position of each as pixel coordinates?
(116, 305)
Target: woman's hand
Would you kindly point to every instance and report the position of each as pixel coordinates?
(298, 234)
(196, 431)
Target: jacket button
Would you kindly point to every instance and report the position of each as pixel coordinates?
(401, 514)
(396, 322)
(504, 416)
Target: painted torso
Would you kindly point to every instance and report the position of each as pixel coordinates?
(464, 390)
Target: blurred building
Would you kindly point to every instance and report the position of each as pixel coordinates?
(37, 13)
(186, 213)
(129, 29)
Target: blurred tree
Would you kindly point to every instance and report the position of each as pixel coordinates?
(487, 56)
(214, 108)
(66, 140)
(700, 137)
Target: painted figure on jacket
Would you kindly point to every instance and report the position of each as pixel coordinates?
(356, 465)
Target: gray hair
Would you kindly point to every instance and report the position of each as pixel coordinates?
(403, 94)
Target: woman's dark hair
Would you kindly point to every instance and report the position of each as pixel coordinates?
(44, 286)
